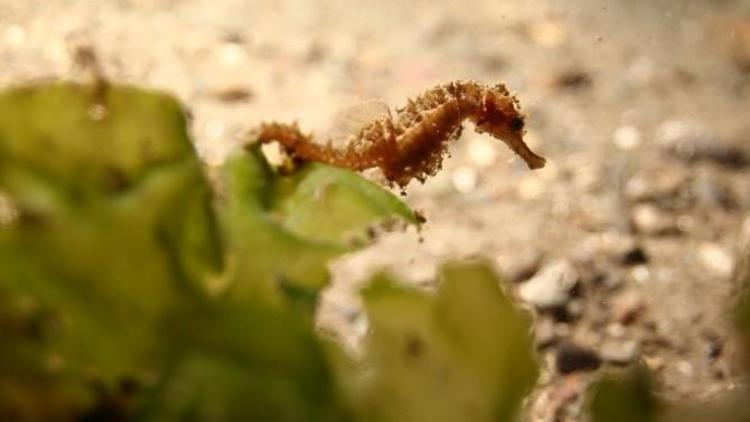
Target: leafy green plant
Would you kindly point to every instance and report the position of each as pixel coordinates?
(132, 289)
(462, 354)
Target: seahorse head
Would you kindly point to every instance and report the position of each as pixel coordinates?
(502, 119)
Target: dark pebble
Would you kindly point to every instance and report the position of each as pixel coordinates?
(573, 358)
(634, 256)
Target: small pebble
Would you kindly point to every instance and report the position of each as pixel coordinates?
(231, 54)
(616, 330)
(640, 273)
(620, 353)
(627, 306)
(685, 368)
(650, 220)
(573, 358)
(627, 138)
(716, 259)
(654, 363)
(634, 256)
(551, 286)
(575, 309)
(545, 334)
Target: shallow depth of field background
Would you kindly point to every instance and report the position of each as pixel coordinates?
(641, 108)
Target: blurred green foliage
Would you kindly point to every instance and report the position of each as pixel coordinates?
(462, 354)
(624, 397)
(111, 226)
(132, 289)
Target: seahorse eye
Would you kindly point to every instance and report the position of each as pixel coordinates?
(516, 124)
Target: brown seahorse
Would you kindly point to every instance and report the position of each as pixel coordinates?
(412, 144)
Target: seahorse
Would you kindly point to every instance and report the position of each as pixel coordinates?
(412, 144)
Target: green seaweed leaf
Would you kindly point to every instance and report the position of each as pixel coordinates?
(114, 225)
(112, 268)
(462, 354)
(282, 230)
(624, 397)
(257, 340)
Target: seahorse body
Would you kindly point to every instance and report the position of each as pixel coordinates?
(412, 144)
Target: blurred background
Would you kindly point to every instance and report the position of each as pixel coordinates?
(626, 243)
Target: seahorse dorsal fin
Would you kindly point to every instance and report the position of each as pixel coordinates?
(351, 120)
